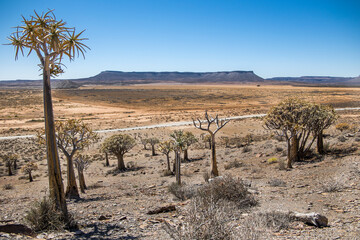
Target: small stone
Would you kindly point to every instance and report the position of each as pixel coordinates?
(102, 217)
(79, 232)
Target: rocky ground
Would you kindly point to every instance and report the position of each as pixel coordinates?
(116, 206)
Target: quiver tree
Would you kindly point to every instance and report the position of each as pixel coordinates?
(178, 138)
(153, 141)
(189, 139)
(166, 147)
(28, 168)
(206, 125)
(82, 162)
(119, 145)
(71, 136)
(144, 140)
(287, 119)
(51, 40)
(9, 160)
(301, 123)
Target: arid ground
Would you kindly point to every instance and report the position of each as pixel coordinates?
(116, 205)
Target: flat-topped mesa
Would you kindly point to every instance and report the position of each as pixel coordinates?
(184, 77)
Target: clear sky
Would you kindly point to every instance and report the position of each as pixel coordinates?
(270, 37)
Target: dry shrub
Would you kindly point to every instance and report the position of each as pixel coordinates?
(276, 183)
(182, 191)
(233, 164)
(8, 186)
(342, 126)
(212, 221)
(206, 176)
(44, 217)
(227, 188)
(166, 173)
(332, 185)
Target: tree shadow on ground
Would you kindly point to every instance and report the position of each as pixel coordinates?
(103, 231)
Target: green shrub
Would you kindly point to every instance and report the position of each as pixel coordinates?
(272, 160)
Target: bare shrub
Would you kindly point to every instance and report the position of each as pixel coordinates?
(43, 216)
(233, 164)
(229, 189)
(332, 185)
(246, 149)
(8, 186)
(182, 191)
(342, 127)
(276, 183)
(206, 176)
(166, 173)
(210, 221)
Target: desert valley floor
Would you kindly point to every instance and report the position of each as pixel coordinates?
(117, 205)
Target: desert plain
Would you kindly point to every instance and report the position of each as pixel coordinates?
(116, 206)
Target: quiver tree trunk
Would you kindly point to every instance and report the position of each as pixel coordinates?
(293, 153)
(177, 168)
(121, 164)
(186, 156)
(81, 180)
(71, 188)
(15, 164)
(153, 153)
(107, 163)
(55, 181)
(320, 143)
(168, 162)
(9, 169)
(30, 177)
(214, 169)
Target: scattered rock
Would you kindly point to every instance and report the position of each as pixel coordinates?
(163, 209)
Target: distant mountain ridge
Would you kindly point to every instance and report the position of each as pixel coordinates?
(319, 80)
(113, 77)
(223, 77)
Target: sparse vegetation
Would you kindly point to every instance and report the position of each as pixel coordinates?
(8, 186)
(233, 164)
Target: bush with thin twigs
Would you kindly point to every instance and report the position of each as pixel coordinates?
(8, 186)
(227, 188)
(43, 216)
(273, 220)
(233, 164)
(182, 191)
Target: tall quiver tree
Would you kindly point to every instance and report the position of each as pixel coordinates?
(119, 145)
(206, 126)
(51, 40)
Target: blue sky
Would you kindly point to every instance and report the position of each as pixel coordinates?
(270, 37)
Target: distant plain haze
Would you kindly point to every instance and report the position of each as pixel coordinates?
(272, 38)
